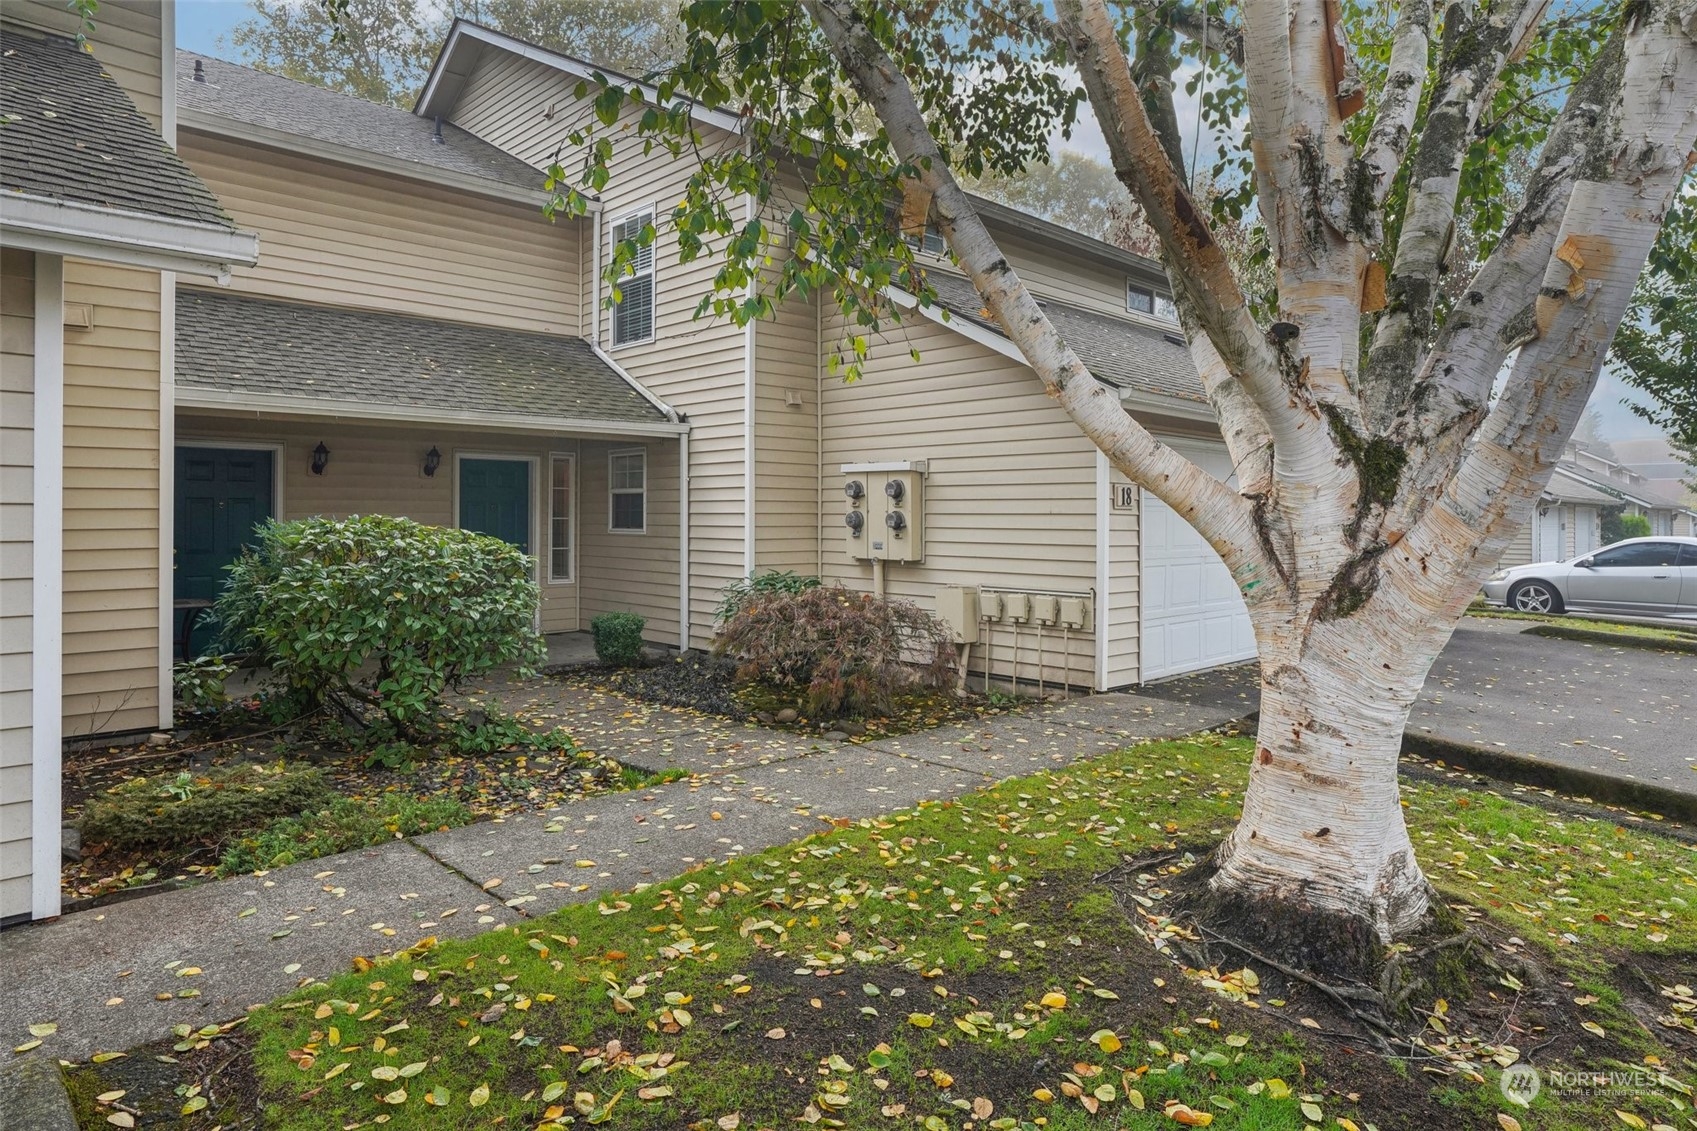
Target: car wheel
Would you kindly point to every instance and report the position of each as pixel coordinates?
(1534, 597)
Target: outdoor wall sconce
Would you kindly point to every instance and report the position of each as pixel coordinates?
(432, 461)
(320, 458)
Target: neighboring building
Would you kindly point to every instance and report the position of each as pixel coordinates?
(98, 216)
(1568, 519)
(1662, 468)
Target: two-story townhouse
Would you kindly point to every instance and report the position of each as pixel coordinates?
(1568, 519)
(1014, 500)
(98, 220)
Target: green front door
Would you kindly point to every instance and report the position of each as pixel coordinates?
(495, 499)
(222, 495)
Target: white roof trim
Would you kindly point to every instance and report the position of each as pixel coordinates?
(114, 235)
(443, 87)
(989, 339)
(217, 125)
(624, 375)
(259, 404)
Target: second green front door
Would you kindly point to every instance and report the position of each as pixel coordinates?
(495, 499)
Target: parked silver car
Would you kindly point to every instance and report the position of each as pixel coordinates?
(1641, 576)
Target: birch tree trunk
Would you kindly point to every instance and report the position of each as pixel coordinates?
(1377, 490)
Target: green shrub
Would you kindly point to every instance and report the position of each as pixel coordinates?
(342, 826)
(380, 613)
(738, 592)
(618, 638)
(199, 683)
(851, 652)
(1618, 525)
(173, 810)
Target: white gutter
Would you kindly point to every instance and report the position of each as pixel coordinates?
(665, 409)
(138, 239)
(216, 125)
(684, 612)
(229, 402)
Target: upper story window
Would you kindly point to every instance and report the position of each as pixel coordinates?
(627, 491)
(932, 241)
(633, 301)
(1143, 300)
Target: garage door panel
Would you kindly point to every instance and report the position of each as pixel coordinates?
(1193, 615)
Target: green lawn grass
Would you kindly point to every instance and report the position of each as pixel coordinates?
(897, 973)
(1584, 624)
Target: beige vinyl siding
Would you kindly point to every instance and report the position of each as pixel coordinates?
(1519, 551)
(786, 477)
(333, 234)
(17, 572)
(622, 571)
(126, 40)
(1010, 495)
(112, 502)
(376, 469)
(697, 367)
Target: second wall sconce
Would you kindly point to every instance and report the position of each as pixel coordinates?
(320, 458)
(432, 461)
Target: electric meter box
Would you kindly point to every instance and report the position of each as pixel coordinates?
(957, 607)
(884, 511)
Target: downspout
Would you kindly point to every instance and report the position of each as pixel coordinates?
(167, 392)
(47, 587)
(819, 432)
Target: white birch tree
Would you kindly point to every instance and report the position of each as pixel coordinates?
(1378, 480)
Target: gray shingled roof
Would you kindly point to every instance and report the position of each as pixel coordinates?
(1117, 351)
(239, 344)
(278, 103)
(68, 132)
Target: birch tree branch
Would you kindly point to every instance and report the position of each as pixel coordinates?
(1399, 100)
(1476, 48)
(1204, 284)
(1220, 37)
(1223, 517)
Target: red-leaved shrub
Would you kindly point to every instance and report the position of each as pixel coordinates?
(851, 651)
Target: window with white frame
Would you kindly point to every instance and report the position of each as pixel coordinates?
(627, 491)
(560, 518)
(1144, 300)
(633, 292)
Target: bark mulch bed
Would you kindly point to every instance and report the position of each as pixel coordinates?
(708, 684)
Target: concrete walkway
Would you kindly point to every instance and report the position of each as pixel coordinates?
(125, 974)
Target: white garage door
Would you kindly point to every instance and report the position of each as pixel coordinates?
(1193, 616)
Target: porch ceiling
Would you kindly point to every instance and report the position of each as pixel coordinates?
(262, 354)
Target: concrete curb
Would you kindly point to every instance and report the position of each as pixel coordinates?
(33, 1095)
(1617, 639)
(1518, 769)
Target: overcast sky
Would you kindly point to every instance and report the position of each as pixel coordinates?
(201, 24)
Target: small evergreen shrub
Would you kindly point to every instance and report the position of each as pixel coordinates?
(342, 826)
(171, 810)
(380, 614)
(739, 592)
(852, 652)
(618, 638)
(199, 683)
